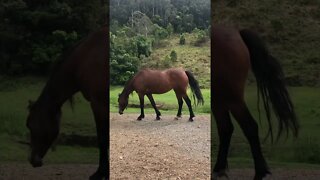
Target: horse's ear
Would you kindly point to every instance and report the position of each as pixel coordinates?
(31, 103)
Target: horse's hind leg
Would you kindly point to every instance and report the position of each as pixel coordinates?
(225, 130)
(180, 103)
(141, 98)
(250, 129)
(188, 102)
(154, 106)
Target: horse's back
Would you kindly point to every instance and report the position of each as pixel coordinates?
(178, 78)
(90, 59)
(231, 62)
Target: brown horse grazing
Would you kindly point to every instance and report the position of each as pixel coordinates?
(148, 82)
(85, 69)
(233, 53)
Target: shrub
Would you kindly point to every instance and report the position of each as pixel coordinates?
(201, 38)
(173, 56)
(182, 39)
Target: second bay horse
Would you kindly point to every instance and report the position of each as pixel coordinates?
(233, 53)
(148, 82)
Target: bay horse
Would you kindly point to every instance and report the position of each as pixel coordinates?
(148, 82)
(85, 70)
(233, 52)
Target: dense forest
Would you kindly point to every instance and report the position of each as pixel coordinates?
(289, 27)
(34, 33)
(140, 26)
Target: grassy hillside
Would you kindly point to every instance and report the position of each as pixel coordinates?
(190, 57)
(290, 28)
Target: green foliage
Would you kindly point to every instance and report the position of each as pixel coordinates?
(169, 29)
(173, 56)
(143, 45)
(34, 34)
(166, 62)
(123, 58)
(201, 37)
(122, 68)
(157, 20)
(182, 40)
(183, 15)
(160, 33)
(46, 54)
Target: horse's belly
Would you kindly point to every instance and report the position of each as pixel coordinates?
(159, 91)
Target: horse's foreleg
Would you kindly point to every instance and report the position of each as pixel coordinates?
(102, 127)
(225, 130)
(154, 106)
(141, 98)
(250, 129)
(188, 102)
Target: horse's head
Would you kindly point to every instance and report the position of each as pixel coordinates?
(123, 102)
(43, 122)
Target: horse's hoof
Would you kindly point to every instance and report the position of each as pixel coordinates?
(220, 175)
(158, 118)
(139, 118)
(98, 176)
(177, 117)
(263, 176)
(191, 119)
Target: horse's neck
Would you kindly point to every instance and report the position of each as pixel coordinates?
(128, 88)
(57, 90)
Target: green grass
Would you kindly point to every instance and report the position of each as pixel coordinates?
(169, 101)
(14, 96)
(304, 149)
(302, 152)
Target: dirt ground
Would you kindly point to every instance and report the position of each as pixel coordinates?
(167, 149)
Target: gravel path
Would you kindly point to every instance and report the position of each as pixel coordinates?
(165, 149)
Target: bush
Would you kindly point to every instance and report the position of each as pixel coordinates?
(201, 38)
(143, 45)
(122, 68)
(182, 40)
(123, 58)
(160, 33)
(166, 63)
(169, 29)
(173, 56)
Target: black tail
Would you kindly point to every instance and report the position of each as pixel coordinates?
(271, 85)
(195, 88)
